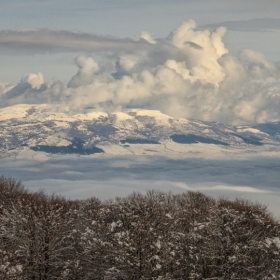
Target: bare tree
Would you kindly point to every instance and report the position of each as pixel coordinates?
(35, 230)
(153, 236)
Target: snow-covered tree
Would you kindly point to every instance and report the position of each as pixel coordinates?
(239, 241)
(10, 267)
(35, 229)
(157, 236)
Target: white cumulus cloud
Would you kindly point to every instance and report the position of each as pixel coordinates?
(34, 79)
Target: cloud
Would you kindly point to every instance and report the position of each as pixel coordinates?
(234, 188)
(28, 90)
(32, 41)
(33, 79)
(147, 36)
(255, 178)
(256, 24)
(88, 68)
(188, 74)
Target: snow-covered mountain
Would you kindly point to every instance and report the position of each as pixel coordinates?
(45, 129)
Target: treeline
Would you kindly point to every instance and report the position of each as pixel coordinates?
(153, 236)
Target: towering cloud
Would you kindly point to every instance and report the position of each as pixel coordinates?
(188, 74)
(202, 50)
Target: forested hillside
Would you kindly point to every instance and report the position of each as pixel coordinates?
(153, 236)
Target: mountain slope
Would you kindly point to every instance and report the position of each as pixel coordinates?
(43, 128)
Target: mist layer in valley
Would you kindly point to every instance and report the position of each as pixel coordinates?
(251, 177)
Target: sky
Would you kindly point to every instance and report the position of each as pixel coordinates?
(213, 60)
(127, 19)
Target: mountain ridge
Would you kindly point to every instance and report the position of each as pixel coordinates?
(43, 127)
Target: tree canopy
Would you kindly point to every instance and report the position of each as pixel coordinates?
(153, 236)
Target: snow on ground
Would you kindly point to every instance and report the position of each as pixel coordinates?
(121, 116)
(251, 130)
(12, 112)
(151, 113)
